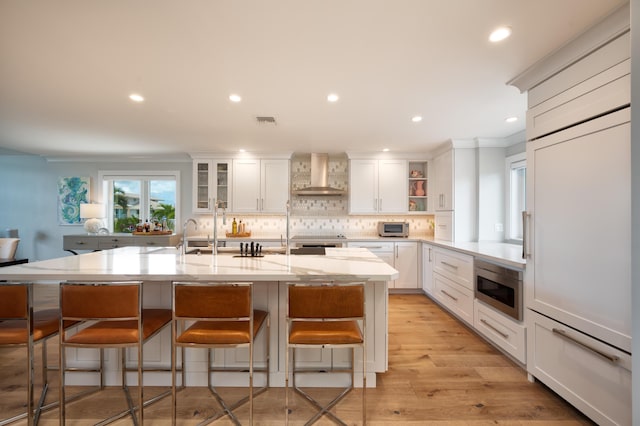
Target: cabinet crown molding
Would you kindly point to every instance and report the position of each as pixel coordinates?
(609, 28)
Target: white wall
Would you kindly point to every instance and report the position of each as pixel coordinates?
(29, 198)
(491, 193)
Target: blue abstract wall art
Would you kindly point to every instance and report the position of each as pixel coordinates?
(72, 191)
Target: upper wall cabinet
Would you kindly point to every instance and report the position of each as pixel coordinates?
(211, 179)
(444, 181)
(260, 185)
(378, 186)
(455, 195)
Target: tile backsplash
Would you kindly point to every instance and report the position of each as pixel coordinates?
(338, 177)
(262, 226)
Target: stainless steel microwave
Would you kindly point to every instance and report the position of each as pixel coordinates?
(393, 229)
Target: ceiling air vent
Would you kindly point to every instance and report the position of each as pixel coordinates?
(266, 120)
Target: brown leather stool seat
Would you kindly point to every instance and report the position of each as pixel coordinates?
(325, 315)
(115, 319)
(16, 301)
(223, 317)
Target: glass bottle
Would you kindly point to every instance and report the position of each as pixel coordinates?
(234, 226)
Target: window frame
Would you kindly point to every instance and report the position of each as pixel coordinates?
(106, 178)
(512, 162)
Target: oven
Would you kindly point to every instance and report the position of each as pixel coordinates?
(499, 287)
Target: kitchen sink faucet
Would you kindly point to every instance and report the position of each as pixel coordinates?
(184, 233)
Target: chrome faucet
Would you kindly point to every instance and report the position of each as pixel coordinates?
(184, 233)
(216, 205)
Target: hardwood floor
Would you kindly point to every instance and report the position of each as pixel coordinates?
(440, 373)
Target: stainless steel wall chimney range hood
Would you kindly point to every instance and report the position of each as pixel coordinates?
(319, 178)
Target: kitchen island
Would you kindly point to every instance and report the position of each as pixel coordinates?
(157, 267)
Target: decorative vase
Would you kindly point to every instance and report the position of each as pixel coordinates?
(419, 188)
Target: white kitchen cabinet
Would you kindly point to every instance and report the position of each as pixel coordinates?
(406, 262)
(443, 165)
(378, 186)
(455, 266)
(504, 332)
(260, 185)
(210, 180)
(402, 255)
(427, 268)
(591, 375)
(572, 176)
(455, 196)
(458, 300)
(453, 282)
(597, 83)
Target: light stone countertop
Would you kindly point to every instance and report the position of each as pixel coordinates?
(506, 254)
(167, 263)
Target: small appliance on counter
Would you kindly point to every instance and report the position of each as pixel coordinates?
(393, 229)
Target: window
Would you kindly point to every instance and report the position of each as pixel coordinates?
(516, 196)
(136, 197)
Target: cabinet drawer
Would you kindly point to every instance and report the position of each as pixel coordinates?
(374, 246)
(78, 243)
(598, 387)
(504, 332)
(457, 299)
(109, 243)
(455, 266)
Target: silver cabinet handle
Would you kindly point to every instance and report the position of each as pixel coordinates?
(449, 265)
(611, 358)
(430, 260)
(379, 204)
(504, 335)
(526, 254)
(447, 294)
(261, 203)
(257, 203)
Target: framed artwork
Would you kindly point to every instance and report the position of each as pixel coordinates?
(72, 191)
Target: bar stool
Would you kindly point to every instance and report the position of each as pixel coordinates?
(20, 325)
(325, 315)
(222, 316)
(115, 319)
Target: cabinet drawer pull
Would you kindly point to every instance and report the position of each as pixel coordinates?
(611, 358)
(449, 265)
(448, 295)
(504, 335)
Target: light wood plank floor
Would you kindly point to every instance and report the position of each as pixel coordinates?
(440, 373)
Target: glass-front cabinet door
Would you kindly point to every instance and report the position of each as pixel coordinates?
(222, 184)
(210, 181)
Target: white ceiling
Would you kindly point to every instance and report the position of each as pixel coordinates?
(67, 68)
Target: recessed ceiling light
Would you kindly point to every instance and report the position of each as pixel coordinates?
(136, 97)
(500, 34)
(416, 119)
(242, 150)
(234, 98)
(511, 119)
(385, 150)
(332, 97)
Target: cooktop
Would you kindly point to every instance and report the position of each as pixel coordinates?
(318, 237)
